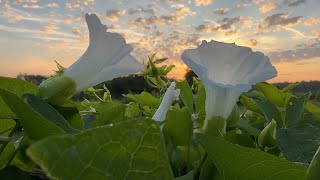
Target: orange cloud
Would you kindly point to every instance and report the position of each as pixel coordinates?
(268, 7)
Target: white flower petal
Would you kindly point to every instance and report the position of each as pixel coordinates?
(126, 66)
(220, 100)
(170, 95)
(105, 49)
(226, 71)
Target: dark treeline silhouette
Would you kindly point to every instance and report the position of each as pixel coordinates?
(137, 84)
(117, 87)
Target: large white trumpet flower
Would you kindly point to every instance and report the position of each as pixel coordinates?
(108, 56)
(226, 70)
(170, 95)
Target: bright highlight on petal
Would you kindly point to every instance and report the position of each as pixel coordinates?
(226, 71)
(170, 95)
(107, 57)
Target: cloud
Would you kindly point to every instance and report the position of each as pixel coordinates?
(221, 11)
(52, 5)
(248, 3)
(158, 20)
(50, 28)
(297, 3)
(202, 2)
(182, 11)
(76, 31)
(281, 19)
(138, 10)
(304, 51)
(226, 24)
(312, 21)
(269, 7)
(15, 18)
(114, 26)
(253, 42)
(114, 15)
(317, 32)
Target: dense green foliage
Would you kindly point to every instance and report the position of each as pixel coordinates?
(271, 134)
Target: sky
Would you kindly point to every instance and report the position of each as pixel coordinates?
(34, 33)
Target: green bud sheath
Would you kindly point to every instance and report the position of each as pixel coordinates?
(57, 90)
(215, 126)
(267, 135)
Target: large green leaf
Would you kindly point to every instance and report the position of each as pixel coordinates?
(178, 126)
(132, 149)
(271, 93)
(300, 138)
(144, 98)
(48, 112)
(186, 94)
(110, 115)
(18, 87)
(35, 125)
(237, 162)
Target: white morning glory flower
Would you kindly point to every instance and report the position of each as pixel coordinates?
(170, 95)
(226, 70)
(107, 57)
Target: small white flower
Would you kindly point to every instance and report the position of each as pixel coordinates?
(170, 95)
(226, 70)
(108, 56)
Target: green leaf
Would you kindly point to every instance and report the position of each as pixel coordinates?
(72, 115)
(133, 110)
(18, 87)
(144, 98)
(246, 126)
(110, 115)
(270, 111)
(186, 94)
(295, 109)
(201, 100)
(313, 172)
(241, 138)
(299, 140)
(289, 87)
(48, 112)
(132, 149)
(178, 126)
(208, 170)
(313, 108)
(272, 93)
(247, 102)
(299, 143)
(35, 126)
(233, 118)
(237, 162)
